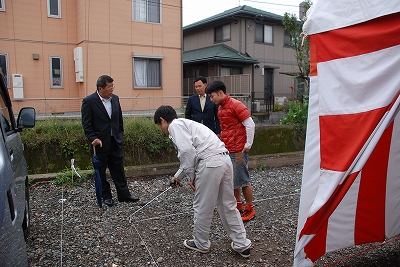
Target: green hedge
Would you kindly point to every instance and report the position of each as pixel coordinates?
(51, 144)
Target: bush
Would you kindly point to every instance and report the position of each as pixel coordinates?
(297, 113)
(68, 134)
(297, 116)
(144, 133)
(51, 144)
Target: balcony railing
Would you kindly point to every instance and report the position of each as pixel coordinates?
(131, 106)
(71, 107)
(236, 85)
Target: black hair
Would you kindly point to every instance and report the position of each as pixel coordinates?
(168, 113)
(215, 86)
(200, 78)
(103, 80)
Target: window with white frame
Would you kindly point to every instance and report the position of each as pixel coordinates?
(4, 67)
(264, 34)
(147, 72)
(2, 5)
(222, 33)
(56, 77)
(54, 8)
(146, 10)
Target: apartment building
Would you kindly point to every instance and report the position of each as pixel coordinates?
(53, 51)
(247, 48)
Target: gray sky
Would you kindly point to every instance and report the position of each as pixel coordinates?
(197, 10)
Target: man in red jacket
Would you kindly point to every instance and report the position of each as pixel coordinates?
(237, 132)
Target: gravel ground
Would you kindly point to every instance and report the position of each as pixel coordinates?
(74, 232)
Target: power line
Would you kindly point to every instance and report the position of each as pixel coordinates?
(269, 3)
(161, 4)
(251, 1)
(287, 8)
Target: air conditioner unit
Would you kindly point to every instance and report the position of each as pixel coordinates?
(256, 106)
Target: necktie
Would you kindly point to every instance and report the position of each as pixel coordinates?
(202, 102)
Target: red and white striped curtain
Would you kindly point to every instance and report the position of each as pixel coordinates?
(350, 190)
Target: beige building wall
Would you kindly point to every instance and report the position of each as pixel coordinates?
(108, 36)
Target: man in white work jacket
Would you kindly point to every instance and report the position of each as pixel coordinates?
(205, 163)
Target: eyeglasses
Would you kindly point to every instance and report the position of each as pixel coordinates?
(111, 86)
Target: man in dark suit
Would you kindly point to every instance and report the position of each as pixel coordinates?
(200, 108)
(103, 125)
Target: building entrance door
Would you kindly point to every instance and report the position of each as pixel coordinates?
(269, 88)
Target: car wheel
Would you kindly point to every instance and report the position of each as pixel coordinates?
(26, 225)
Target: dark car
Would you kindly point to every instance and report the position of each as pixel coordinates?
(14, 190)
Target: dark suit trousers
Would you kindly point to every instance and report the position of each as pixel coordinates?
(113, 159)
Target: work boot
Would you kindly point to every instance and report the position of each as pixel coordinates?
(248, 213)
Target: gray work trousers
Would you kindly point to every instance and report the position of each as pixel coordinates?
(214, 187)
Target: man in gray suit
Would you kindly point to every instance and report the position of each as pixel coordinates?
(103, 125)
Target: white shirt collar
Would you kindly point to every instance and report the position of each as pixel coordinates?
(102, 98)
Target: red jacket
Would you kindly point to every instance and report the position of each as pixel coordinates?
(231, 114)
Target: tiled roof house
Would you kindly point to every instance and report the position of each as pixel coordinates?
(247, 48)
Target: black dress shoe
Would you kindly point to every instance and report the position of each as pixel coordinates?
(109, 202)
(129, 199)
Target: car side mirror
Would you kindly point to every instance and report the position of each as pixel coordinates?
(26, 118)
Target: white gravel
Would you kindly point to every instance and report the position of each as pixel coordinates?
(74, 232)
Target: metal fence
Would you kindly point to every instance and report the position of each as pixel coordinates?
(236, 85)
(131, 106)
(264, 102)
